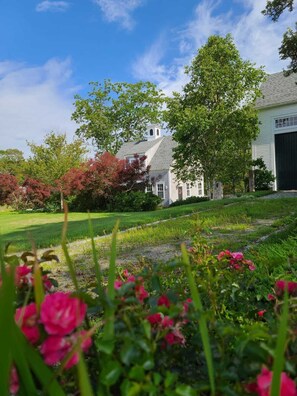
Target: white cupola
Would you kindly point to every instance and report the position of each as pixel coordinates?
(153, 132)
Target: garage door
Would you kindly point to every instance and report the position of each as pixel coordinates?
(286, 160)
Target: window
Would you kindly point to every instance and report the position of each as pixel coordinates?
(151, 132)
(158, 132)
(200, 189)
(285, 122)
(160, 190)
(149, 188)
(188, 190)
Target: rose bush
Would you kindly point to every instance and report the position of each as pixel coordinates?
(139, 332)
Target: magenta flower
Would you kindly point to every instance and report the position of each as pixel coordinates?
(14, 385)
(237, 255)
(118, 284)
(281, 285)
(223, 254)
(167, 322)
(164, 300)
(288, 387)
(55, 348)
(26, 319)
(61, 314)
(140, 293)
(261, 313)
(154, 318)
(23, 275)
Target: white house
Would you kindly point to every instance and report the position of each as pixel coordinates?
(277, 141)
(159, 152)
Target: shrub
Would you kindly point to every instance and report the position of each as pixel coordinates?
(263, 177)
(8, 185)
(189, 200)
(135, 201)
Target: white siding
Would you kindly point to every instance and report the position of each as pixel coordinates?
(263, 146)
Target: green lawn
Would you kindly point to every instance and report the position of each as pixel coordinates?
(45, 228)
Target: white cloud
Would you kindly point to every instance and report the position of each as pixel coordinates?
(119, 11)
(48, 5)
(35, 101)
(256, 37)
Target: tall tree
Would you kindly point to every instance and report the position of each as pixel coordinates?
(288, 49)
(12, 161)
(213, 119)
(115, 113)
(52, 159)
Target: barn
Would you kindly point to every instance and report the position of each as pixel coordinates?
(277, 140)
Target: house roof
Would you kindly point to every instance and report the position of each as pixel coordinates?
(131, 148)
(161, 160)
(278, 90)
(163, 157)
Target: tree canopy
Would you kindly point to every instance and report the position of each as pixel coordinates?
(115, 113)
(12, 161)
(213, 119)
(288, 49)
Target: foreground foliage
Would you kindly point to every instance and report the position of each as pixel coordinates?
(202, 325)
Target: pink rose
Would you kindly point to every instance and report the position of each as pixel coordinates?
(154, 318)
(118, 284)
(223, 254)
(23, 275)
(281, 285)
(167, 322)
(14, 385)
(141, 293)
(164, 300)
(61, 314)
(54, 349)
(237, 255)
(26, 319)
(261, 313)
(288, 387)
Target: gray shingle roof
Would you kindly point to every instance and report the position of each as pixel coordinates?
(131, 148)
(278, 90)
(163, 157)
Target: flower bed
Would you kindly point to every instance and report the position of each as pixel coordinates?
(204, 324)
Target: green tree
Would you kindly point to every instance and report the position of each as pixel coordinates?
(288, 49)
(115, 113)
(52, 159)
(12, 161)
(214, 119)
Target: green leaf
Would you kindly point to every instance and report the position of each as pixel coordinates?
(136, 373)
(202, 321)
(185, 390)
(147, 329)
(128, 353)
(110, 373)
(106, 346)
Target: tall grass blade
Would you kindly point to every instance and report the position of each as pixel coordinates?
(65, 249)
(6, 323)
(202, 321)
(97, 268)
(109, 311)
(83, 378)
(279, 355)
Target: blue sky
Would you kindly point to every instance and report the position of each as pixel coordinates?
(50, 51)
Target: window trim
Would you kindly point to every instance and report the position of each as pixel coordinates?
(163, 190)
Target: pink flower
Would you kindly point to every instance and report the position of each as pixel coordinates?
(271, 297)
(281, 285)
(14, 382)
(140, 293)
(154, 318)
(54, 349)
(26, 319)
(223, 254)
(23, 275)
(164, 300)
(167, 322)
(118, 284)
(47, 283)
(261, 313)
(175, 337)
(186, 305)
(125, 273)
(250, 264)
(288, 387)
(237, 255)
(131, 278)
(61, 314)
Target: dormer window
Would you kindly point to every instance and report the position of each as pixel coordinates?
(151, 132)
